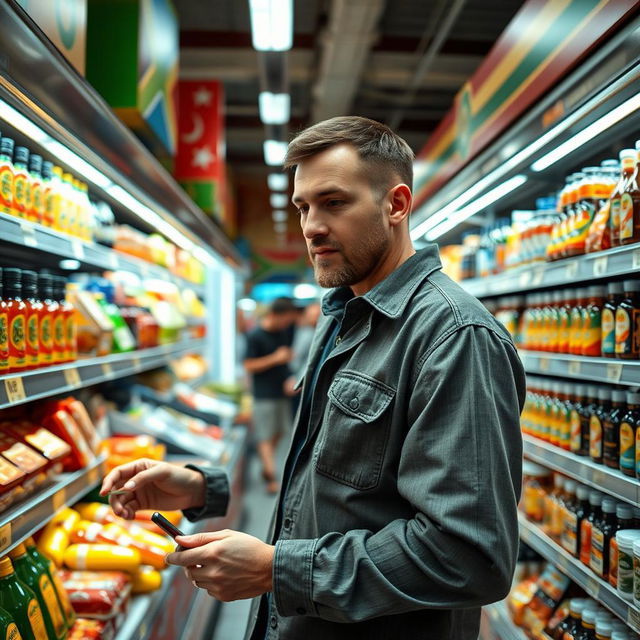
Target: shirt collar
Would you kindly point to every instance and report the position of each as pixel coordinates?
(392, 295)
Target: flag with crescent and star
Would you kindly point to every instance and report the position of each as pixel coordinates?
(200, 160)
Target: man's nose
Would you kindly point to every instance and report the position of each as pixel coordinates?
(314, 225)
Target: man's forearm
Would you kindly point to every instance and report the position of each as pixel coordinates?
(259, 365)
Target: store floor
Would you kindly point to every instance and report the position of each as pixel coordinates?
(258, 506)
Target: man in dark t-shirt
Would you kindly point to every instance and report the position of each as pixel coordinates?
(267, 358)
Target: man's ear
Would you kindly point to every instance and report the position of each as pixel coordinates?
(400, 201)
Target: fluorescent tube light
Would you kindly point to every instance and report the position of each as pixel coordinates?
(22, 124)
(278, 181)
(274, 107)
(271, 24)
(304, 291)
(274, 152)
(477, 205)
(76, 163)
(278, 200)
(280, 227)
(279, 216)
(588, 133)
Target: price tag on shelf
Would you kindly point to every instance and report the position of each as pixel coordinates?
(5, 536)
(614, 371)
(544, 364)
(136, 362)
(600, 266)
(592, 587)
(574, 368)
(635, 259)
(144, 627)
(59, 500)
(538, 277)
(92, 476)
(107, 371)
(633, 619)
(72, 377)
(78, 250)
(524, 279)
(15, 389)
(28, 234)
(571, 270)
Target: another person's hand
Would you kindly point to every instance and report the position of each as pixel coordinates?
(151, 484)
(283, 355)
(229, 565)
(289, 387)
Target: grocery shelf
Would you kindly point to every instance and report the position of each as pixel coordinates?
(583, 469)
(606, 370)
(618, 261)
(24, 519)
(501, 622)
(23, 233)
(41, 383)
(572, 567)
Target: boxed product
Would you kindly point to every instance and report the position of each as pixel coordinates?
(43, 441)
(99, 595)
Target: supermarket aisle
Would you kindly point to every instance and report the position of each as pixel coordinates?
(258, 506)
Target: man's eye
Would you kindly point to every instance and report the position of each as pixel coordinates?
(302, 210)
(335, 203)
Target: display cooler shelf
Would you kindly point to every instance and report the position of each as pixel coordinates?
(581, 575)
(24, 519)
(42, 383)
(612, 263)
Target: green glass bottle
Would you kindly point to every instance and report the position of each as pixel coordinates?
(44, 563)
(40, 583)
(20, 602)
(8, 628)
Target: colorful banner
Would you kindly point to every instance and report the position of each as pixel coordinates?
(544, 40)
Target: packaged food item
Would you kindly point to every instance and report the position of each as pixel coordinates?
(628, 427)
(627, 319)
(536, 482)
(601, 533)
(94, 327)
(16, 312)
(596, 425)
(95, 557)
(35, 206)
(586, 526)
(6, 175)
(573, 518)
(98, 595)
(21, 603)
(612, 419)
(146, 579)
(592, 322)
(64, 426)
(630, 208)
(40, 583)
(54, 539)
(78, 412)
(44, 442)
(45, 321)
(614, 297)
(624, 517)
(68, 315)
(520, 597)
(25, 458)
(552, 587)
(32, 313)
(21, 194)
(628, 165)
(87, 629)
(572, 623)
(557, 618)
(626, 540)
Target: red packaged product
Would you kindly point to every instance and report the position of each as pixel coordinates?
(87, 629)
(99, 595)
(26, 459)
(78, 412)
(64, 426)
(44, 442)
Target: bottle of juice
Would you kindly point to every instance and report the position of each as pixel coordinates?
(628, 427)
(21, 180)
(628, 165)
(568, 221)
(577, 408)
(589, 409)
(51, 313)
(592, 322)
(48, 185)
(6, 175)
(614, 297)
(576, 332)
(554, 321)
(601, 533)
(595, 513)
(60, 205)
(45, 319)
(630, 208)
(59, 321)
(611, 456)
(564, 320)
(569, 514)
(68, 314)
(596, 430)
(565, 417)
(35, 208)
(4, 331)
(40, 583)
(21, 603)
(624, 520)
(16, 317)
(32, 313)
(627, 318)
(589, 198)
(41, 561)
(68, 217)
(8, 628)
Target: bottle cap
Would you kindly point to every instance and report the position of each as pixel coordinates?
(604, 394)
(589, 615)
(596, 291)
(29, 282)
(627, 537)
(624, 511)
(618, 395)
(603, 626)
(631, 285)
(21, 155)
(18, 552)
(592, 391)
(615, 288)
(579, 390)
(595, 498)
(576, 605)
(628, 153)
(47, 170)
(6, 147)
(558, 481)
(609, 505)
(570, 486)
(12, 277)
(35, 164)
(633, 397)
(45, 285)
(582, 492)
(6, 568)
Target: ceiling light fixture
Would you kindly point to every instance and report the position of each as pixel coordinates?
(278, 181)
(271, 24)
(274, 107)
(274, 152)
(280, 227)
(278, 200)
(279, 216)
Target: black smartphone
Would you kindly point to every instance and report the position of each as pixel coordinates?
(165, 525)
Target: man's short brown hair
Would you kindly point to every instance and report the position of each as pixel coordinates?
(381, 150)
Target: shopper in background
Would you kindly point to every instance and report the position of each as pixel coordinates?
(267, 359)
(397, 516)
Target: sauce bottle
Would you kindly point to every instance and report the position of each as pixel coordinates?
(575, 333)
(573, 521)
(69, 318)
(614, 297)
(628, 165)
(21, 194)
(592, 322)
(627, 317)
(6, 175)
(568, 222)
(8, 627)
(589, 197)
(45, 320)
(48, 187)
(586, 526)
(4, 331)
(59, 320)
(624, 517)
(40, 583)
(32, 313)
(41, 561)
(550, 504)
(596, 425)
(571, 623)
(601, 533)
(628, 426)
(564, 320)
(35, 208)
(576, 426)
(16, 316)
(21, 603)
(589, 407)
(570, 505)
(588, 625)
(611, 428)
(630, 209)
(564, 416)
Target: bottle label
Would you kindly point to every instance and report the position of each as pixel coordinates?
(585, 542)
(608, 332)
(58, 331)
(626, 216)
(12, 632)
(49, 203)
(597, 551)
(4, 341)
(17, 342)
(36, 620)
(595, 438)
(615, 215)
(636, 578)
(625, 571)
(64, 597)
(623, 331)
(576, 432)
(534, 503)
(49, 597)
(613, 562)
(6, 188)
(46, 340)
(627, 446)
(37, 201)
(592, 333)
(637, 452)
(569, 537)
(20, 193)
(70, 326)
(32, 338)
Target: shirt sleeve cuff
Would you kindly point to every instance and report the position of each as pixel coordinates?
(293, 577)
(216, 494)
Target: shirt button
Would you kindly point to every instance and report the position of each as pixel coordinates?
(354, 403)
(287, 523)
(274, 622)
(301, 611)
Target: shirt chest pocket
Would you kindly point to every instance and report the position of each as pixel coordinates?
(355, 430)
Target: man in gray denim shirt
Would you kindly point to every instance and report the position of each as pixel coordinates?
(397, 514)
